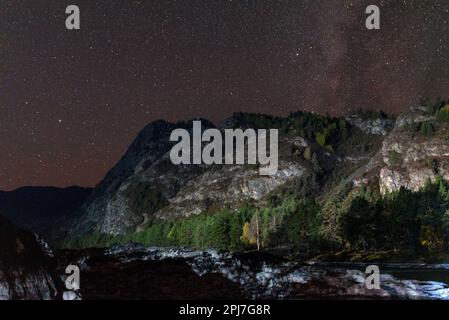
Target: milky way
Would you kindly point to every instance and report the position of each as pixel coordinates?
(72, 101)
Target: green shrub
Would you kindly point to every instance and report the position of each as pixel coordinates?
(443, 114)
(394, 157)
(327, 131)
(432, 164)
(425, 129)
(368, 114)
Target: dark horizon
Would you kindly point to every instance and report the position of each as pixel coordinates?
(72, 101)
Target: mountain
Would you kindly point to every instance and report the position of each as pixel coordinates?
(365, 188)
(41, 209)
(140, 182)
(144, 185)
(366, 182)
(414, 152)
(26, 265)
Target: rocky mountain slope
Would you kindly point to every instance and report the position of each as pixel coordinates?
(414, 152)
(346, 185)
(145, 185)
(26, 265)
(137, 186)
(319, 157)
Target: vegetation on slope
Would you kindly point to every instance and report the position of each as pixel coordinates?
(317, 213)
(416, 222)
(327, 131)
(250, 226)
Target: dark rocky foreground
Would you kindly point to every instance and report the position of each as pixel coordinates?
(136, 272)
(29, 270)
(133, 276)
(27, 266)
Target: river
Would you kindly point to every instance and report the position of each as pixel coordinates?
(136, 272)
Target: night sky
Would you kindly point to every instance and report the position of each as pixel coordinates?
(72, 101)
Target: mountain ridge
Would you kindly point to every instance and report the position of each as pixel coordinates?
(332, 170)
(145, 167)
(41, 209)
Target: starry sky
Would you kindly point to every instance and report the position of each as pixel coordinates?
(71, 102)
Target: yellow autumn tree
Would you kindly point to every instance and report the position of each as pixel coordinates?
(247, 236)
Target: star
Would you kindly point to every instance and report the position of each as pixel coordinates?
(131, 64)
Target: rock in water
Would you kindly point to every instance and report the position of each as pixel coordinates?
(25, 265)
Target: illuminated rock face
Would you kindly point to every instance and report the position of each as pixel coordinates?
(25, 265)
(409, 157)
(381, 152)
(146, 171)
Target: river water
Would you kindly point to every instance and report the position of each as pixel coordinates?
(136, 272)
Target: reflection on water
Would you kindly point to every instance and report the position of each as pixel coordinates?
(421, 274)
(136, 272)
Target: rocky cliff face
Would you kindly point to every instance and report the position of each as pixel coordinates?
(145, 184)
(26, 265)
(379, 126)
(137, 186)
(228, 186)
(414, 152)
(382, 152)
